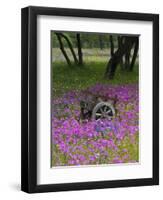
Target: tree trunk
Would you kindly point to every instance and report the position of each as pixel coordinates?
(80, 54)
(117, 57)
(127, 59)
(120, 42)
(71, 47)
(136, 48)
(111, 46)
(62, 49)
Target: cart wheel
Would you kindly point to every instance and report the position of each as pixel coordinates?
(103, 110)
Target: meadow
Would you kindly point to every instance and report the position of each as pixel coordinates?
(93, 142)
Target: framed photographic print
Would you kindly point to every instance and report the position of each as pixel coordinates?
(90, 99)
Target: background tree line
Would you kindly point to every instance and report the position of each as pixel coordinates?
(94, 40)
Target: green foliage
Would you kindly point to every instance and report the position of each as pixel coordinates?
(88, 40)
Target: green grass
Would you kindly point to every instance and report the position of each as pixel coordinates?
(66, 78)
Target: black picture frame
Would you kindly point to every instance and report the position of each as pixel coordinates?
(29, 98)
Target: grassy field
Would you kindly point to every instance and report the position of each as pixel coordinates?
(93, 142)
(67, 78)
(88, 54)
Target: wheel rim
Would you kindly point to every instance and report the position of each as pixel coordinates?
(103, 110)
